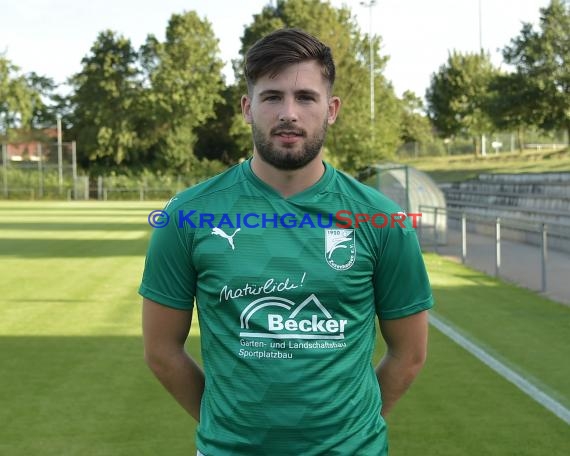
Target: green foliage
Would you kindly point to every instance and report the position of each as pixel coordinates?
(31, 182)
(510, 103)
(105, 103)
(432, 148)
(467, 96)
(185, 85)
(220, 138)
(240, 132)
(44, 115)
(167, 183)
(458, 94)
(542, 62)
(15, 99)
(23, 102)
(165, 106)
(134, 110)
(415, 126)
(354, 141)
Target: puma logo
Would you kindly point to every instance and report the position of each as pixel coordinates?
(219, 232)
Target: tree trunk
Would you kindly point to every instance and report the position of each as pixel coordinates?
(520, 137)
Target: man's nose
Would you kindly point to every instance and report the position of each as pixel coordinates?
(288, 112)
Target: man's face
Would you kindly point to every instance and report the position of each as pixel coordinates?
(290, 114)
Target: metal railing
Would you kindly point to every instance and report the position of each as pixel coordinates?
(495, 229)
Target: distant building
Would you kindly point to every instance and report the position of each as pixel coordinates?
(30, 150)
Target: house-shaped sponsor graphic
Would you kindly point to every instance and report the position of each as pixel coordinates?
(274, 317)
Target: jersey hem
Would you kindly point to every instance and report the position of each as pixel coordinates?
(407, 311)
(167, 301)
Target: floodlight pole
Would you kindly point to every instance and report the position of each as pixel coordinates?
(59, 154)
(480, 28)
(483, 139)
(369, 5)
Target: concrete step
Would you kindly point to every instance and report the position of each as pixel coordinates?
(540, 202)
(545, 189)
(531, 215)
(526, 178)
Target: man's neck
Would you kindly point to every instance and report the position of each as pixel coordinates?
(288, 183)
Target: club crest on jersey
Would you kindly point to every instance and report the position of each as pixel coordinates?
(340, 249)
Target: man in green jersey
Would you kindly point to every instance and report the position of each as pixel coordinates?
(287, 291)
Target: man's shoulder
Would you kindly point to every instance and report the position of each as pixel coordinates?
(210, 189)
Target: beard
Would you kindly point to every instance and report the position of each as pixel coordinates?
(287, 158)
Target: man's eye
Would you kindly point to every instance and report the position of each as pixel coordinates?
(305, 98)
(272, 98)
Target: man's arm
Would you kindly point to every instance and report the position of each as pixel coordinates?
(164, 331)
(406, 340)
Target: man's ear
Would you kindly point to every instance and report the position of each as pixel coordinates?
(246, 108)
(334, 108)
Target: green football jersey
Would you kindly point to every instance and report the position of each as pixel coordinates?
(287, 292)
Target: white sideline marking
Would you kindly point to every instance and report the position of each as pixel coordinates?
(524, 385)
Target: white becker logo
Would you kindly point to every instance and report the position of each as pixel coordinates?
(230, 239)
(315, 323)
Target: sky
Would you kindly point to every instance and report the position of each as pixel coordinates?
(51, 37)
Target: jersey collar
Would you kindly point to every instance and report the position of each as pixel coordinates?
(271, 193)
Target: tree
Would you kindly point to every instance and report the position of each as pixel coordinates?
(44, 100)
(24, 103)
(104, 104)
(354, 141)
(139, 109)
(16, 107)
(415, 126)
(510, 103)
(457, 96)
(214, 138)
(542, 60)
(184, 87)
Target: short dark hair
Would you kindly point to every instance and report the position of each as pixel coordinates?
(279, 49)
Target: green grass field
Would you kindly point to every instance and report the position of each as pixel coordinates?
(73, 380)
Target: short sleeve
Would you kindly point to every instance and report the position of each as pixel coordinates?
(169, 277)
(401, 283)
